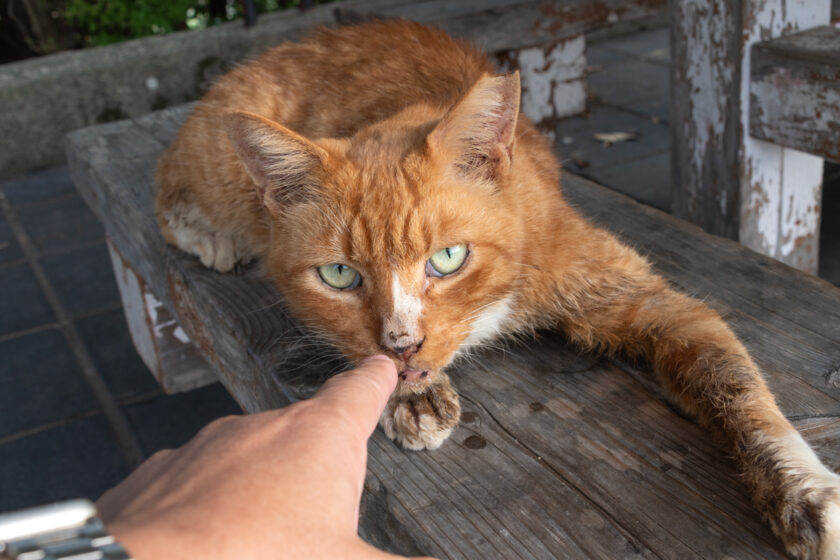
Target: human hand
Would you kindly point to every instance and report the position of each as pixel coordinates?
(279, 484)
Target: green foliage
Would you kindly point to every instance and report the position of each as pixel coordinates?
(107, 21)
(100, 22)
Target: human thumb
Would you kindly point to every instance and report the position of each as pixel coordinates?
(360, 395)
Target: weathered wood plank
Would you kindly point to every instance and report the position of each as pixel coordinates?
(781, 188)
(705, 85)
(789, 321)
(161, 343)
(559, 455)
(795, 91)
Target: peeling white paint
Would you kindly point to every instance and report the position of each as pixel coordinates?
(175, 365)
(801, 195)
(181, 335)
(160, 327)
(152, 306)
(706, 74)
(780, 187)
(553, 79)
(797, 99)
(135, 307)
(761, 198)
(569, 98)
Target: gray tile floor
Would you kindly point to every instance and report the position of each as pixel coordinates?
(78, 409)
(628, 92)
(65, 355)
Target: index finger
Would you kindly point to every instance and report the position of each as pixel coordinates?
(360, 395)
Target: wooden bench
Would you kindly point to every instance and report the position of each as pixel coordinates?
(754, 111)
(795, 91)
(558, 455)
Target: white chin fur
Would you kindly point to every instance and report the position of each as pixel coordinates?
(489, 323)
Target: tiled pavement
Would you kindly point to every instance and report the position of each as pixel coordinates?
(628, 92)
(78, 409)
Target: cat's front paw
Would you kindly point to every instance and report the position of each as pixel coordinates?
(422, 420)
(830, 542)
(800, 499)
(809, 522)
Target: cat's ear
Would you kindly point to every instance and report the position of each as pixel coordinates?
(285, 166)
(479, 132)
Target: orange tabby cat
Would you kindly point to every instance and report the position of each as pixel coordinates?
(404, 205)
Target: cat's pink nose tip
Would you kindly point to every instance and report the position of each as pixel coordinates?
(411, 374)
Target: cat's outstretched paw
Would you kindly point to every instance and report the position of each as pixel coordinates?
(809, 522)
(800, 498)
(830, 544)
(422, 420)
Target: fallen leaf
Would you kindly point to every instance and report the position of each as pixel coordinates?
(610, 138)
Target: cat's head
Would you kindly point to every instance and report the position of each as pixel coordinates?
(401, 239)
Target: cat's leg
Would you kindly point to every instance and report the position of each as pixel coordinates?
(607, 298)
(186, 226)
(422, 420)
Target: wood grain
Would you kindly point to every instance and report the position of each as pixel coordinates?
(558, 455)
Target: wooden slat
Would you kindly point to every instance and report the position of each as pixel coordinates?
(795, 91)
(559, 455)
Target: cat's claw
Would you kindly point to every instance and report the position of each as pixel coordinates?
(422, 420)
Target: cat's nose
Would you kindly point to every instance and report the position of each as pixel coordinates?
(406, 349)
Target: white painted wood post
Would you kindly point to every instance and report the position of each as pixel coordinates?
(781, 188)
(725, 181)
(553, 80)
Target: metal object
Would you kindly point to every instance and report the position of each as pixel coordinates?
(66, 530)
(249, 12)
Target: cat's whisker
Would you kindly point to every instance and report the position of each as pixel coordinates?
(279, 301)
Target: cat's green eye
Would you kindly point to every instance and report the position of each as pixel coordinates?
(447, 261)
(339, 276)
